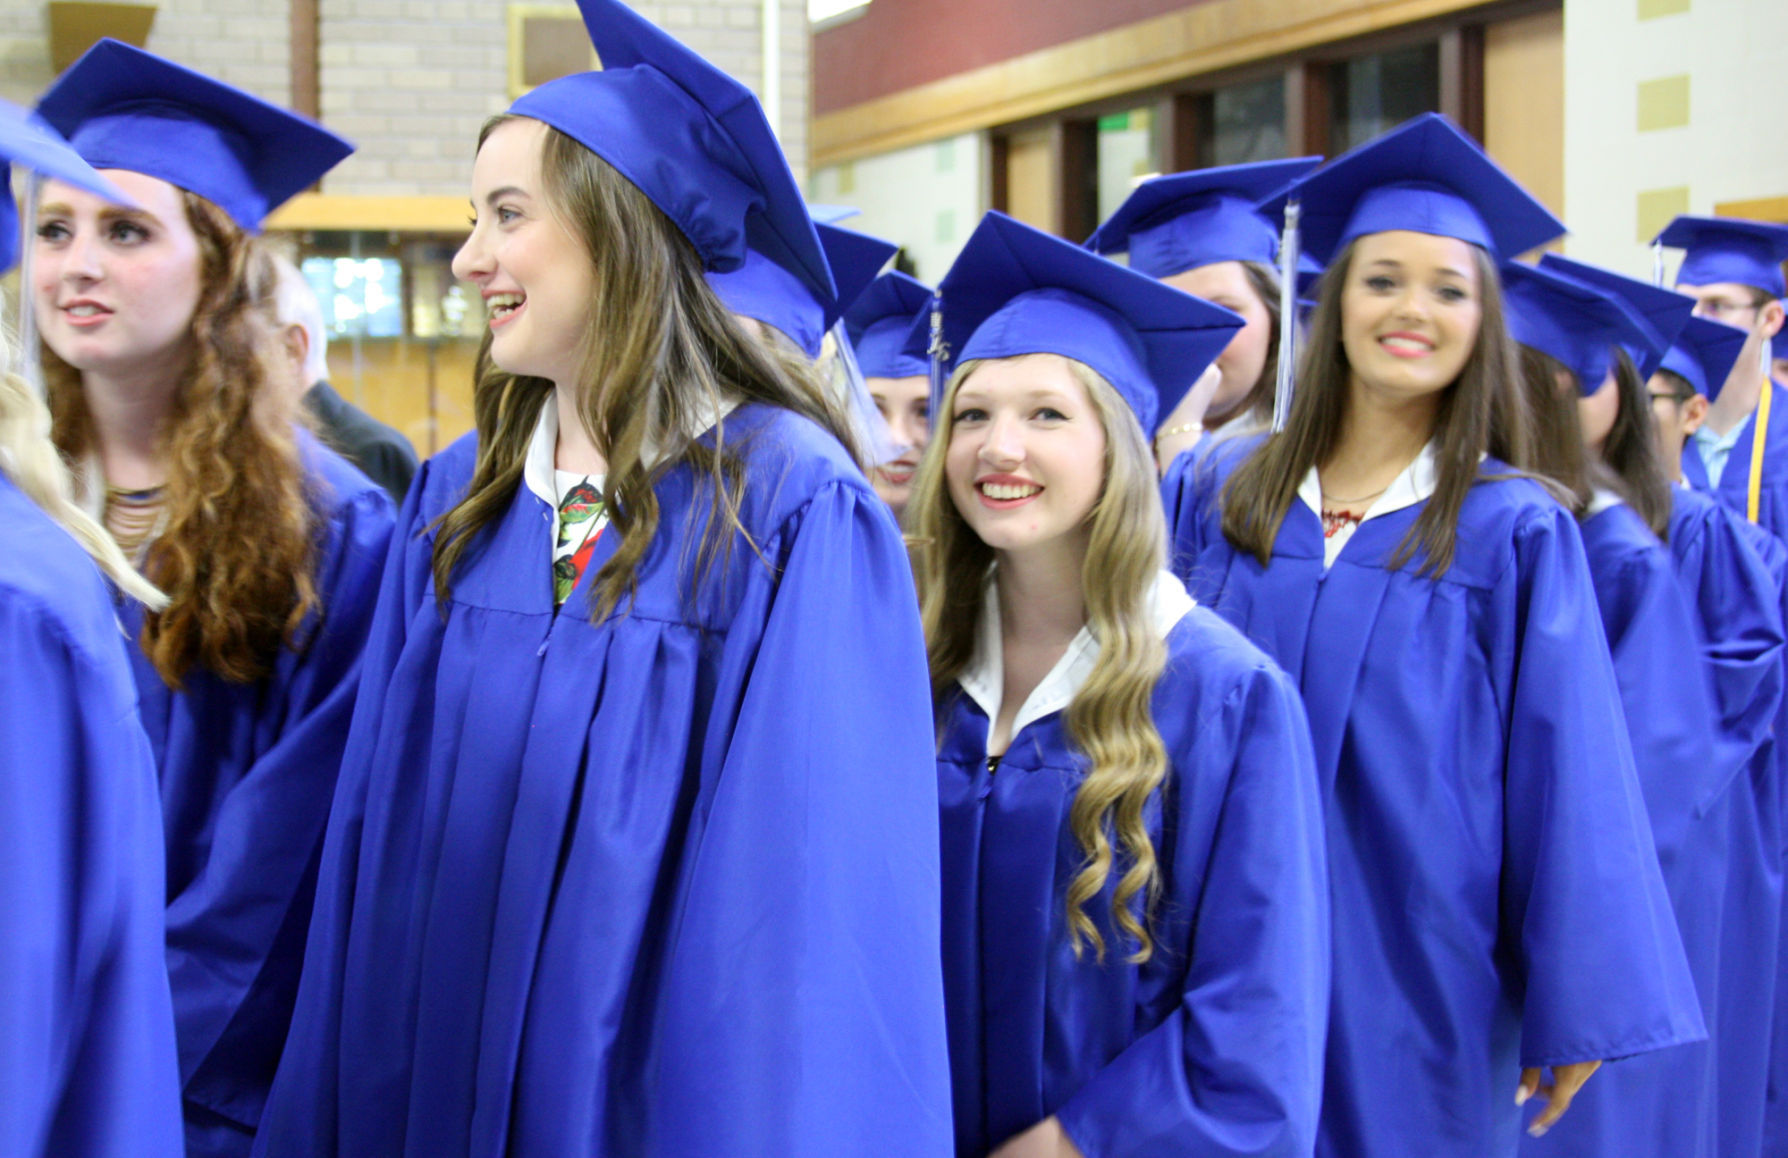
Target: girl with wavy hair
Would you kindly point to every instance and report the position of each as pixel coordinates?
(1437, 612)
(87, 1064)
(1200, 232)
(161, 366)
(635, 848)
(1135, 912)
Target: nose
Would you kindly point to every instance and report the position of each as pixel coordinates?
(1004, 444)
(76, 260)
(1411, 303)
(472, 261)
(907, 431)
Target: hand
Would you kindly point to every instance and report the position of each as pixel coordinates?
(1566, 1081)
(1046, 1139)
(1198, 399)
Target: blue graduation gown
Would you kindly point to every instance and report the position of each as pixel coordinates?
(247, 773)
(1497, 900)
(87, 1065)
(664, 885)
(1687, 755)
(1213, 1046)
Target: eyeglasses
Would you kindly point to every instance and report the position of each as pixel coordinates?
(1721, 309)
(1676, 399)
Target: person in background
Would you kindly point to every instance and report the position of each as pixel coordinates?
(1199, 232)
(88, 1067)
(635, 848)
(166, 386)
(1437, 612)
(878, 324)
(382, 454)
(1136, 910)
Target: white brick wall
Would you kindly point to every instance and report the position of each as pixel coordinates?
(409, 81)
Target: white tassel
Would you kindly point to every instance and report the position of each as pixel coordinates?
(1657, 264)
(939, 351)
(1288, 317)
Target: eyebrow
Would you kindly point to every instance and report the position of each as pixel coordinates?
(496, 195)
(1394, 264)
(108, 213)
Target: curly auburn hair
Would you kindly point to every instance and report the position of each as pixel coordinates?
(238, 552)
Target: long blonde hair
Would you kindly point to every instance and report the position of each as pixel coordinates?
(1109, 720)
(29, 458)
(658, 350)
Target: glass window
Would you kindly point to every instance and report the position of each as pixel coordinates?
(1243, 123)
(1371, 94)
(363, 298)
(1128, 150)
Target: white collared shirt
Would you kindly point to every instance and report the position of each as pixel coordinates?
(985, 677)
(1416, 484)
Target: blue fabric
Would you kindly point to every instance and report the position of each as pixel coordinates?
(87, 1063)
(247, 773)
(878, 324)
(664, 885)
(1664, 311)
(1688, 745)
(26, 141)
(1181, 221)
(1497, 899)
(1426, 176)
(778, 297)
(1727, 249)
(1212, 1047)
(1016, 290)
(123, 108)
(1573, 322)
(1703, 355)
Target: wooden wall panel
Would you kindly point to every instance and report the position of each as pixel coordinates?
(392, 386)
(1524, 102)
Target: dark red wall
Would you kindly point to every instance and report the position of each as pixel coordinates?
(900, 44)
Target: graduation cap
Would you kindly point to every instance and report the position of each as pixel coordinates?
(778, 297)
(1704, 353)
(878, 323)
(1016, 290)
(1577, 324)
(1182, 221)
(1728, 249)
(29, 143)
(1425, 176)
(1665, 312)
(692, 139)
(123, 108)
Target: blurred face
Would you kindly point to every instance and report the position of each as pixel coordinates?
(1729, 302)
(533, 272)
(1596, 412)
(1410, 310)
(1778, 370)
(116, 288)
(1244, 359)
(906, 405)
(1676, 419)
(1026, 458)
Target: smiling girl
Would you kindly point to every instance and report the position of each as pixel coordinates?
(625, 859)
(1438, 616)
(161, 359)
(1135, 917)
(899, 383)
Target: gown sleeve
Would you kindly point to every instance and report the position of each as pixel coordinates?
(1737, 604)
(87, 1061)
(250, 905)
(1584, 915)
(1237, 1068)
(303, 1106)
(801, 1005)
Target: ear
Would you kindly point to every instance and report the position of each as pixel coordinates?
(1694, 413)
(1770, 318)
(297, 345)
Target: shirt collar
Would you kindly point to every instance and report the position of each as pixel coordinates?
(984, 678)
(539, 466)
(1703, 436)
(1414, 485)
(1601, 499)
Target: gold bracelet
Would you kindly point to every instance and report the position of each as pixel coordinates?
(1182, 428)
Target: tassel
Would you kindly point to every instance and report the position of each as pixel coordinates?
(1288, 317)
(939, 351)
(25, 361)
(1657, 264)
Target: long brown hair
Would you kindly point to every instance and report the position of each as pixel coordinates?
(1255, 410)
(1556, 449)
(1110, 719)
(1481, 411)
(1630, 452)
(238, 551)
(660, 349)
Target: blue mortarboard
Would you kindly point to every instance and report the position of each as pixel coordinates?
(1424, 176)
(1727, 249)
(691, 138)
(1182, 221)
(764, 290)
(27, 142)
(1577, 324)
(1016, 290)
(878, 323)
(1665, 312)
(1704, 354)
(123, 108)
